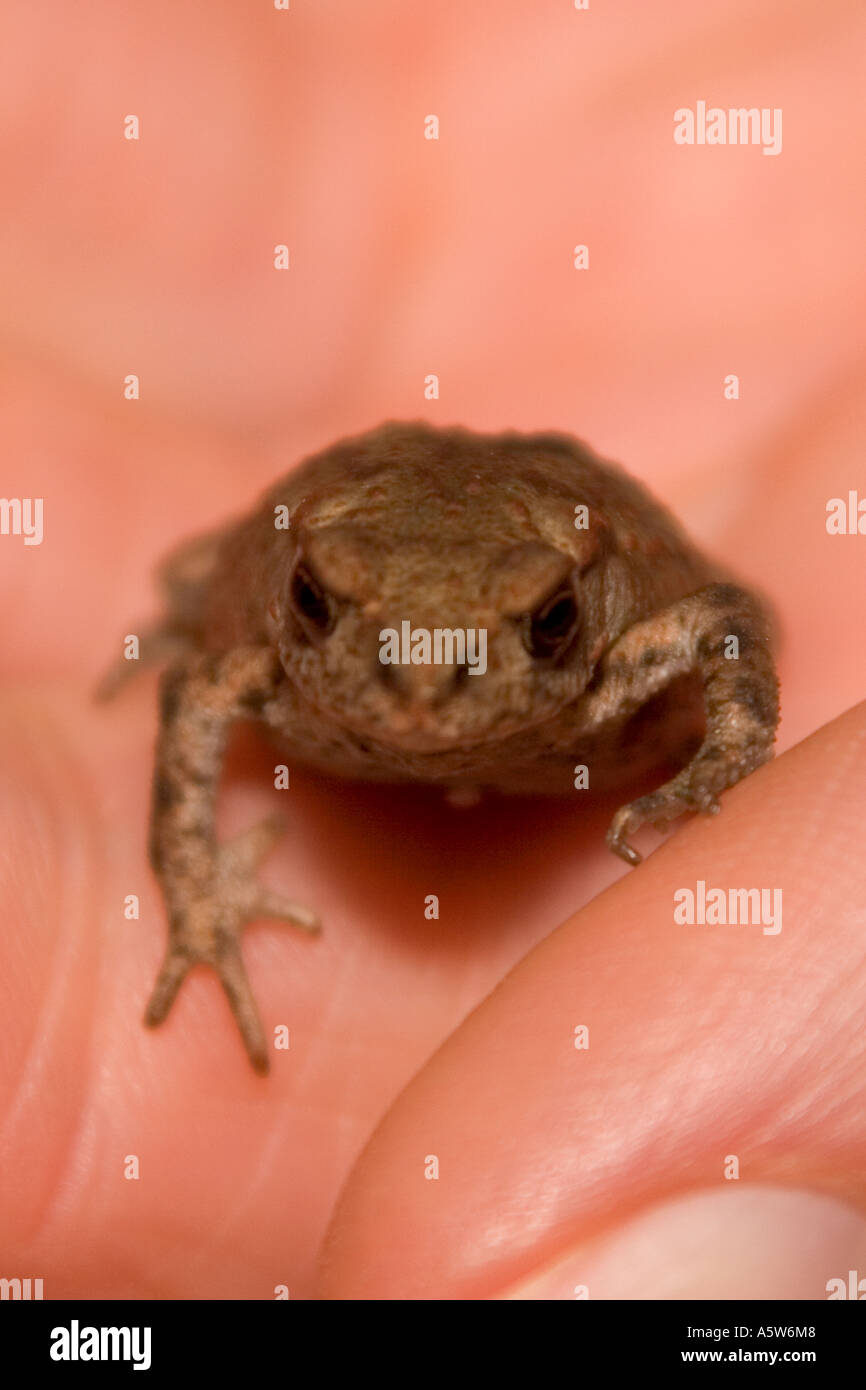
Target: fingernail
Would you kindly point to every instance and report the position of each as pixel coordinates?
(741, 1242)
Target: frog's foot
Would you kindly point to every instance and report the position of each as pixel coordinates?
(206, 927)
(695, 788)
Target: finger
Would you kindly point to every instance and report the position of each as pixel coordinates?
(704, 1042)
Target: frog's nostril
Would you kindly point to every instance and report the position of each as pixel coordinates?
(424, 686)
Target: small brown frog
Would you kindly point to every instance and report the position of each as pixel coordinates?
(434, 605)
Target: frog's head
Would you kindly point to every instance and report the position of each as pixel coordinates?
(440, 602)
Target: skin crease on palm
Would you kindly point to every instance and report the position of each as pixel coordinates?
(410, 257)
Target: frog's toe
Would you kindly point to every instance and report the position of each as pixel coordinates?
(236, 884)
(235, 982)
(659, 809)
(223, 955)
(626, 821)
(169, 980)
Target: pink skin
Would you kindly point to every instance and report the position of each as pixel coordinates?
(123, 263)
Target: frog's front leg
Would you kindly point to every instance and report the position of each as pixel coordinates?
(209, 889)
(740, 691)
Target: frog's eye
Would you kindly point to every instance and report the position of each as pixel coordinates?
(311, 602)
(551, 628)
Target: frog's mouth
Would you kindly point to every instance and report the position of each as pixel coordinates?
(435, 716)
(438, 756)
(423, 732)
